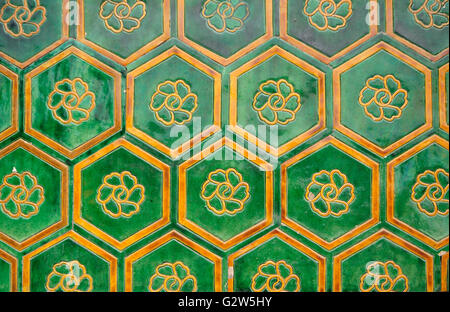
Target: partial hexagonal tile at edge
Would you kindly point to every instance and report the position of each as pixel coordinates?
(225, 220)
(219, 37)
(385, 256)
(72, 76)
(201, 269)
(417, 187)
(45, 268)
(299, 26)
(132, 197)
(173, 74)
(9, 88)
(8, 272)
(338, 195)
(382, 127)
(282, 258)
(254, 83)
(42, 208)
(22, 47)
(443, 97)
(103, 31)
(444, 271)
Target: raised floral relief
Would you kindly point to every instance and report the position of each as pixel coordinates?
(328, 14)
(275, 277)
(225, 192)
(430, 13)
(122, 15)
(172, 277)
(120, 194)
(21, 195)
(276, 102)
(173, 103)
(329, 193)
(383, 98)
(71, 102)
(22, 17)
(69, 276)
(430, 192)
(225, 15)
(384, 277)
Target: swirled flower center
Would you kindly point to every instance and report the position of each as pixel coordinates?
(327, 8)
(174, 102)
(225, 9)
(435, 192)
(70, 100)
(224, 190)
(173, 283)
(120, 193)
(383, 97)
(122, 10)
(275, 283)
(20, 194)
(276, 101)
(329, 192)
(22, 14)
(435, 7)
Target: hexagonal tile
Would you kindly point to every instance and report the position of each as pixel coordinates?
(53, 266)
(443, 97)
(9, 89)
(151, 267)
(8, 272)
(420, 25)
(301, 113)
(72, 102)
(383, 262)
(217, 199)
(34, 195)
(124, 30)
(276, 256)
(131, 197)
(417, 191)
(49, 30)
(327, 34)
(392, 103)
(208, 27)
(330, 199)
(194, 90)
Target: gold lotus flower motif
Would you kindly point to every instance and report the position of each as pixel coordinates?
(122, 15)
(329, 193)
(383, 98)
(172, 277)
(430, 192)
(21, 195)
(120, 194)
(173, 103)
(275, 277)
(328, 14)
(384, 277)
(69, 276)
(430, 13)
(276, 102)
(225, 15)
(71, 102)
(225, 192)
(22, 17)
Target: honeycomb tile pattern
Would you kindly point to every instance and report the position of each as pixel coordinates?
(224, 145)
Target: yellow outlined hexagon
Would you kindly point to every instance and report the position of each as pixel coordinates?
(77, 214)
(173, 235)
(337, 98)
(312, 51)
(390, 31)
(288, 240)
(14, 101)
(130, 102)
(64, 38)
(443, 101)
(182, 197)
(72, 153)
(234, 76)
(220, 59)
(82, 242)
(337, 261)
(390, 191)
(13, 271)
(141, 51)
(64, 194)
(375, 193)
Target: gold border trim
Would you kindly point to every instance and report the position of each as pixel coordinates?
(13, 272)
(14, 103)
(443, 101)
